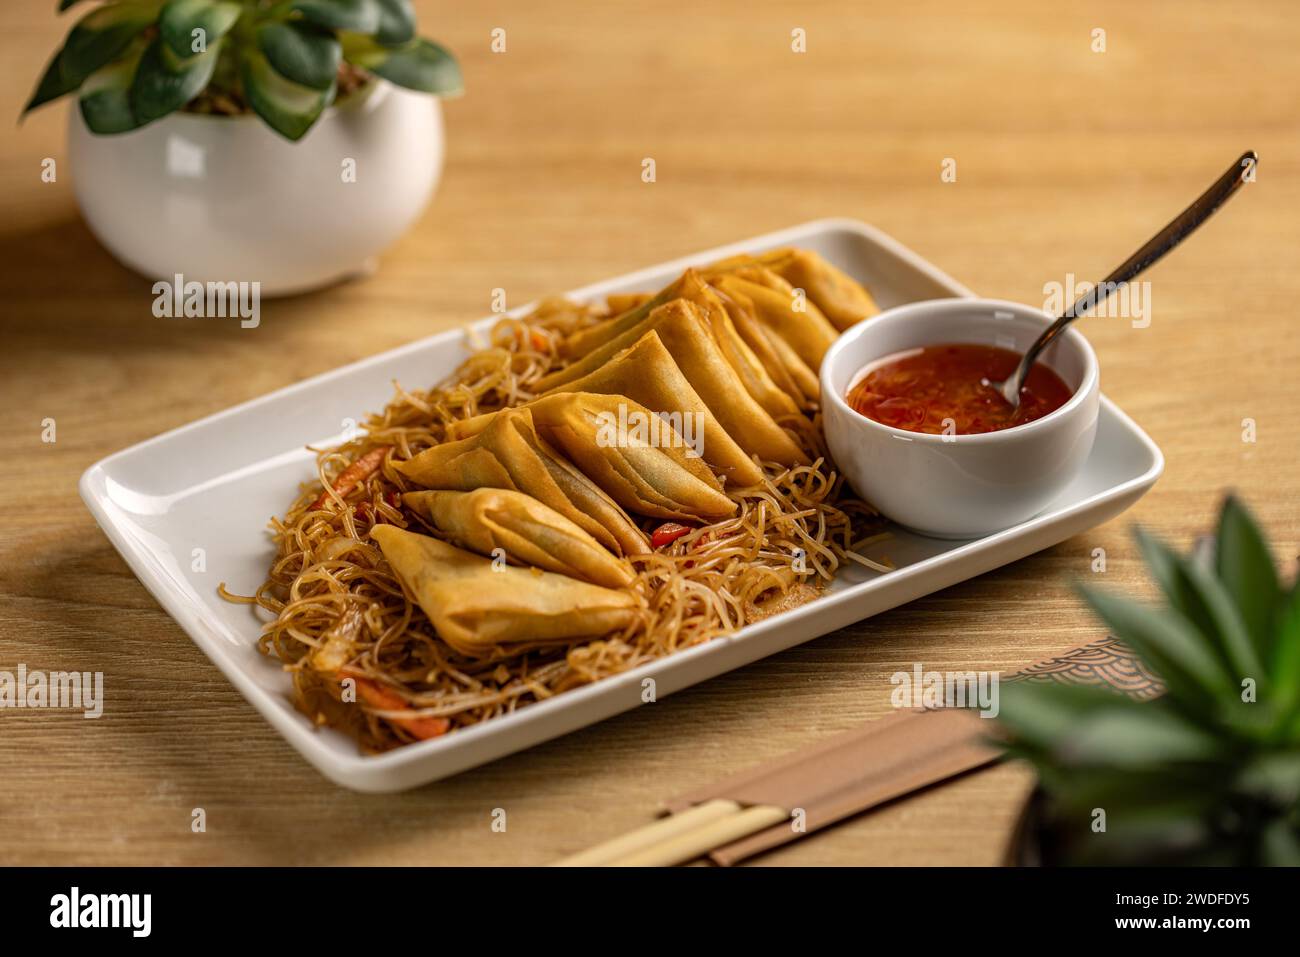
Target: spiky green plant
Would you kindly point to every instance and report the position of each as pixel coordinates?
(1208, 773)
(134, 61)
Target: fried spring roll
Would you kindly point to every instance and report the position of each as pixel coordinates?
(777, 304)
(480, 608)
(509, 454)
(790, 373)
(841, 298)
(526, 531)
(593, 347)
(639, 459)
(647, 373)
(682, 329)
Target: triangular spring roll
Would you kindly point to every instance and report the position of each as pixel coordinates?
(528, 532)
(755, 377)
(480, 608)
(841, 298)
(640, 460)
(685, 336)
(807, 331)
(647, 374)
(790, 373)
(806, 385)
(509, 454)
(593, 347)
(585, 340)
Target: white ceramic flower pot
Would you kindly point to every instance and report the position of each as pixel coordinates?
(222, 199)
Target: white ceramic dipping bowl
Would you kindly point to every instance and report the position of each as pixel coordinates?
(959, 486)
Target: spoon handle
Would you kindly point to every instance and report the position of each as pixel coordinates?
(1182, 226)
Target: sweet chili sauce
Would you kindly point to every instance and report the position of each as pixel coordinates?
(919, 389)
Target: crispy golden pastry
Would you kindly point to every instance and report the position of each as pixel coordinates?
(509, 454)
(842, 299)
(776, 304)
(479, 607)
(598, 356)
(790, 373)
(584, 341)
(801, 374)
(525, 530)
(682, 329)
(646, 373)
(592, 347)
(634, 455)
(755, 377)
(620, 302)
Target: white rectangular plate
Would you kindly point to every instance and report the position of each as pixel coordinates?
(215, 483)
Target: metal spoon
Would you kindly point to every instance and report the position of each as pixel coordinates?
(1179, 229)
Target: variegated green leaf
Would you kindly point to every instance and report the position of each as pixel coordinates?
(163, 83)
(288, 108)
(396, 22)
(418, 65)
(361, 16)
(101, 36)
(301, 53)
(52, 86)
(106, 94)
(189, 27)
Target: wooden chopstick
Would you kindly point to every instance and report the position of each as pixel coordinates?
(700, 840)
(679, 837)
(642, 837)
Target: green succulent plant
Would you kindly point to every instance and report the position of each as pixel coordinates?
(134, 61)
(1209, 772)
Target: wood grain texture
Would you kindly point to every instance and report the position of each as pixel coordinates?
(1067, 160)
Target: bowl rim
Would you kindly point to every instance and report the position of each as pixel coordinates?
(1088, 385)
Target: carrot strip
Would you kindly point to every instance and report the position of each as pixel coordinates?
(355, 474)
(385, 699)
(528, 336)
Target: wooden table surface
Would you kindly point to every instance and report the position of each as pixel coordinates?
(1067, 159)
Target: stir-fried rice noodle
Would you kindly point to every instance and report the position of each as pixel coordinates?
(338, 611)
